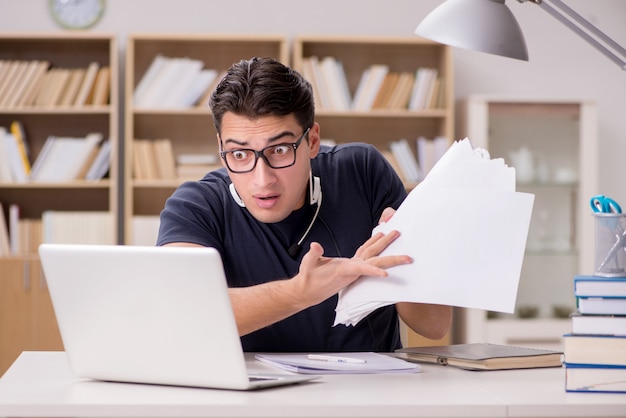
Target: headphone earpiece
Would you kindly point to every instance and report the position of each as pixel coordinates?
(315, 190)
(315, 198)
(235, 195)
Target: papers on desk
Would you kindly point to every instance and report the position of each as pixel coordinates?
(465, 227)
(371, 363)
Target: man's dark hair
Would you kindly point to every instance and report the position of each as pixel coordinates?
(263, 87)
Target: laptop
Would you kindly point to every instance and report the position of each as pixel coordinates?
(156, 315)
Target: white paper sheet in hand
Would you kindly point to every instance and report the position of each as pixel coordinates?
(465, 227)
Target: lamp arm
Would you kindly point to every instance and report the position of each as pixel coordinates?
(567, 16)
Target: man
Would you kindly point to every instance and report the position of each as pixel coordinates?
(286, 251)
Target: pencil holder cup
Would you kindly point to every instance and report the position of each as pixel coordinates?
(610, 244)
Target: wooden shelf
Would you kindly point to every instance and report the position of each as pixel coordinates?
(190, 129)
(59, 110)
(68, 51)
(27, 320)
(401, 54)
(380, 127)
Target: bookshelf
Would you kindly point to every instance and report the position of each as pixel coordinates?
(381, 126)
(377, 125)
(40, 121)
(189, 129)
(553, 144)
(26, 318)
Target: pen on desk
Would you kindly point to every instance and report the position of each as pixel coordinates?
(336, 359)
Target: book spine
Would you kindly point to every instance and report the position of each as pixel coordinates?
(17, 129)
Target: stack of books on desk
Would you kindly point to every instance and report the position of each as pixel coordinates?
(595, 350)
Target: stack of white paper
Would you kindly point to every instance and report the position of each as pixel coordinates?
(339, 363)
(465, 227)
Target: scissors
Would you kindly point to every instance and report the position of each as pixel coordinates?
(603, 204)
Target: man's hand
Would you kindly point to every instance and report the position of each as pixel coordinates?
(386, 215)
(321, 277)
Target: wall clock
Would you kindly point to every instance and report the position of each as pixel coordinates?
(76, 14)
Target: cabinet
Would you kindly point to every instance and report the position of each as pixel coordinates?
(380, 127)
(27, 320)
(66, 51)
(553, 144)
(190, 129)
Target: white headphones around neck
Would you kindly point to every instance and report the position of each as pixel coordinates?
(315, 192)
(315, 198)
(235, 195)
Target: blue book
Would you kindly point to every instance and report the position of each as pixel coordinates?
(595, 378)
(601, 305)
(599, 286)
(599, 324)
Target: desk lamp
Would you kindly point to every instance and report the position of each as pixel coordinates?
(489, 26)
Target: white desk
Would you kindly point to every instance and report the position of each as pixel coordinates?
(40, 384)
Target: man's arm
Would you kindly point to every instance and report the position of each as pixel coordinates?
(430, 321)
(319, 278)
(258, 306)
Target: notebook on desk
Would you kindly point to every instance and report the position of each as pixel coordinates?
(483, 356)
(158, 315)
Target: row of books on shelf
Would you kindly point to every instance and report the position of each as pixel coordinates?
(22, 236)
(154, 159)
(379, 87)
(26, 83)
(175, 82)
(412, 167)
(595, 350)
(61, 159)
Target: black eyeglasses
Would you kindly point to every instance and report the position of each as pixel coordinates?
(275, 156)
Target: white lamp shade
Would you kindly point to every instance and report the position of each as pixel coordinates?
(481, 25)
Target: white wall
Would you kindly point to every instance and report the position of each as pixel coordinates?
(561, 65)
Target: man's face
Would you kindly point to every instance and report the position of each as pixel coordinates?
(270, 194)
